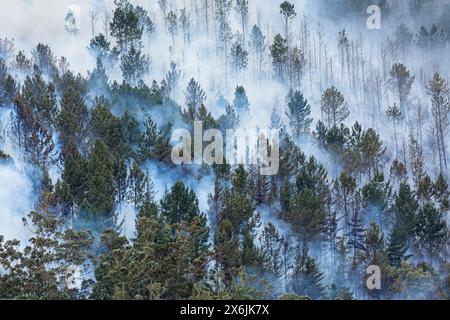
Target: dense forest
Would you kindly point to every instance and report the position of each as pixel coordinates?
(93, 207)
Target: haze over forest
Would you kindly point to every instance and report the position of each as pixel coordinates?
(93, 207)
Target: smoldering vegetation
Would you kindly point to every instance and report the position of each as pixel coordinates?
(91, 94)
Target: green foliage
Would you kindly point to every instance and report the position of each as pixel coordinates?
(299, 112)
(307, 278)
(49, 266)
(180, 204)
(162, 262)
(431, 229)
(99, 197)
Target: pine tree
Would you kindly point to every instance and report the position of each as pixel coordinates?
(226, 245)
(356, 232)
(120, 180)
(307, 278)
(98, 80)
(345, 194)
(126, 25)
(72, 119)
(240, 102)
(194, 95)
(47, 266)
(298, 112)
(22, 63)
(173, 77)
(394, 114)
(185, 25)
(441, 193)
(106, 126)
(137, 183)
(258, 45)
(242, 10)
(179, 204)
(172, 25)
(376, 255)
(239, 57)
(401, 82)
(272, 245)
(279, 53)
(44, 60)
(307, 216)
(440, 109)
(398, 246)
(291, 158)
(377, 194)
(431, 230)
(99, 197)
(405, 211)
(333, 107)
(74, 173)
(288, 12)
(135, 66)
(372, 151)
(374, 244)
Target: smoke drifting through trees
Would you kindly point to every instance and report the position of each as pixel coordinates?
(86, 121)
